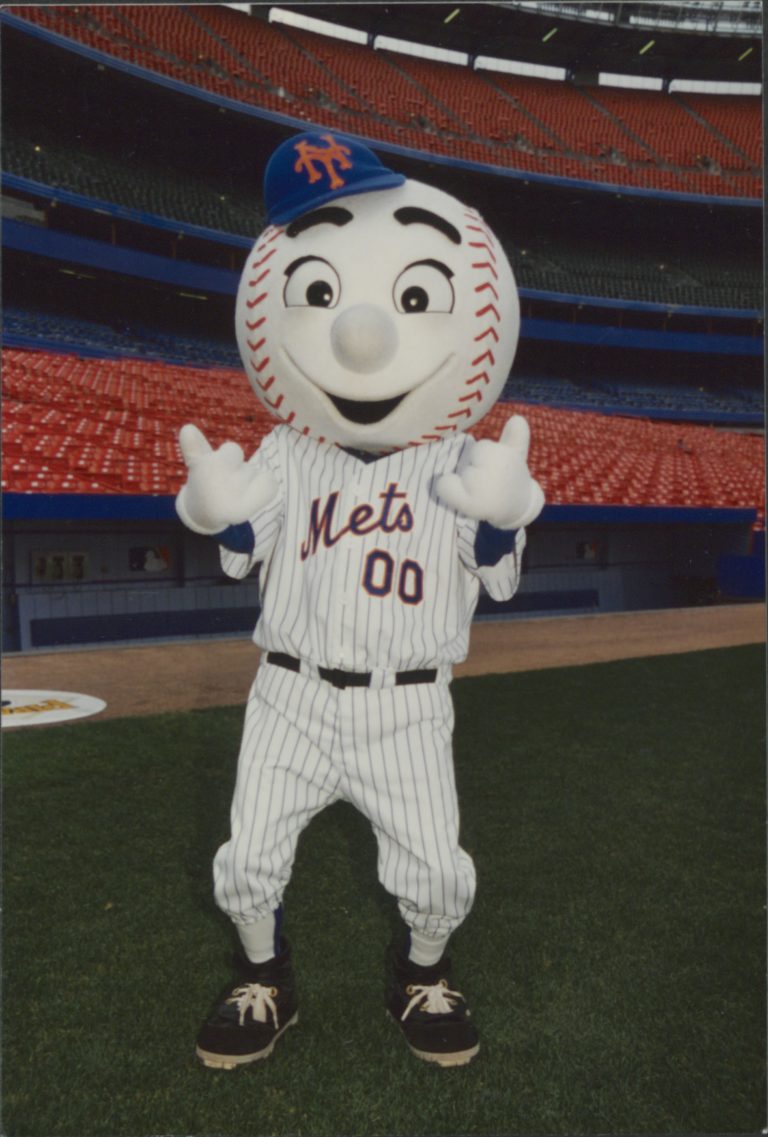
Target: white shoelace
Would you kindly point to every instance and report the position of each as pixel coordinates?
(258, 1000)
(435, 1000)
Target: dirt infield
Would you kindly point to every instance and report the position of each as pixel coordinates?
(209, 673)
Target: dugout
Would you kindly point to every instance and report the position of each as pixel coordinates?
(108, 571)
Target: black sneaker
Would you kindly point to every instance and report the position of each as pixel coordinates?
(433, 1017)
(251, 1014)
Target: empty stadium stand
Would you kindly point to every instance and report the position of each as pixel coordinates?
(559, 261)
(642, 139)
(43, 158)
(55, 333)
(96, 426)
(25, 327)
(140, 382)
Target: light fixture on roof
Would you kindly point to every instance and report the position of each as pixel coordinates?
(548, 36)
(646, 47)
(451, 15)
(718, 17)
(744, 54)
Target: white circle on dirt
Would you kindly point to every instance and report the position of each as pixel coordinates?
(41, 708)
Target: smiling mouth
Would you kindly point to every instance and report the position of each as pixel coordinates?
(365, 413)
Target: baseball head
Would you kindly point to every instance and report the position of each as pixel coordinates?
(374, 311)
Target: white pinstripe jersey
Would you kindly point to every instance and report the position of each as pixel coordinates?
(362, 567)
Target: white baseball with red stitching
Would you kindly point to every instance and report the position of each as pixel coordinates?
(377, 328)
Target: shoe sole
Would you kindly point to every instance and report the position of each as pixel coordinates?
(453, 1058)
(458, 1058)
(232, 1061)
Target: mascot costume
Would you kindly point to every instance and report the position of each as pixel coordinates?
(377, 319)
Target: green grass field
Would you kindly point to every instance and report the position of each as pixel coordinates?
(615, 958)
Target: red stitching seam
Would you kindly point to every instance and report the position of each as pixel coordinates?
(269, 382)
(268, 239)
(489, 266)
(264, 259)
(474, 224)
(482, 288)
(486, 355)
(483, 245)
(269, 235)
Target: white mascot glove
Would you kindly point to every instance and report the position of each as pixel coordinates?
(222, 489)
(492, 482)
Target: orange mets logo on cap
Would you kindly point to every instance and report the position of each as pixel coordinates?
(316, 167)
(312, 156)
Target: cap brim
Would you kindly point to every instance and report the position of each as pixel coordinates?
(291, 209)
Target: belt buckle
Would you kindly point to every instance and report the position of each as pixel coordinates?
(335, 676)
(343, 679)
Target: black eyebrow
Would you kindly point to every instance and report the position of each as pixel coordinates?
(331, 215)
(447, 272)
(302, 261)
(413, 215)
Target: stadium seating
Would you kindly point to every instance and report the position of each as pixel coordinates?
(575, 265)
(670, 401)
(736, 122)
(669, 130)
(90, 408)
(74, 425)
(568, 263)
(631, 138)
(42, 157)
(28, 328)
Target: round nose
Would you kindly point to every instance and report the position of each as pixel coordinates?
(364, 338)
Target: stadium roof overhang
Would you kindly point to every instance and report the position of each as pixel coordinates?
(551, 35)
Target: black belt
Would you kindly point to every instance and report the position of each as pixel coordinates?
(344, 679)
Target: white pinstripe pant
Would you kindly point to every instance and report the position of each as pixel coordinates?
(307, 744)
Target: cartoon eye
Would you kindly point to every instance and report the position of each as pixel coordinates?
(424, 287)
(311, 283)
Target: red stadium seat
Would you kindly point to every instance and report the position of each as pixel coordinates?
(636, 138)
(111, 426)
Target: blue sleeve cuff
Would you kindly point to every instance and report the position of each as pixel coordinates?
(238, 538)
(492, 544)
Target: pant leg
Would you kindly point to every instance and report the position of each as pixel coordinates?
(398, 771)
(284, 778)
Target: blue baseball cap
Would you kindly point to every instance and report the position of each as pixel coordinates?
(313, 169)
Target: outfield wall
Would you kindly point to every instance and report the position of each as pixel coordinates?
(69, 583)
